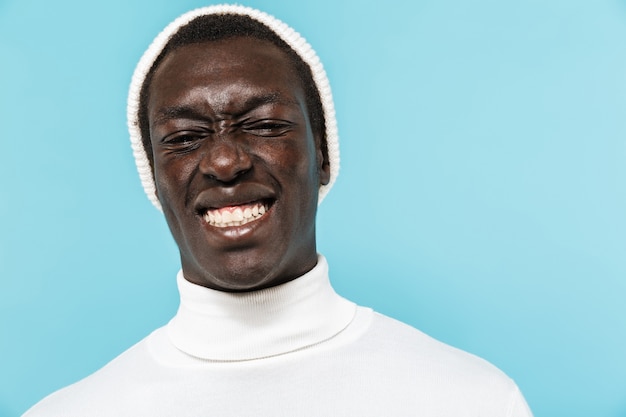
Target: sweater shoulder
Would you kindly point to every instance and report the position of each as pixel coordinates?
(400, 370)
(425, 362)
(414, 346)
(100, 387)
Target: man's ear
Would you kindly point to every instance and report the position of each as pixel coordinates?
(323, 165)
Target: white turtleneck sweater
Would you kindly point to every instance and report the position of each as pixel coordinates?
(295, 350)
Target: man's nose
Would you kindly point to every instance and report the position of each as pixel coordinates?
(225, 159)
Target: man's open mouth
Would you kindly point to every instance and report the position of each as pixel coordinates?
(236, 215)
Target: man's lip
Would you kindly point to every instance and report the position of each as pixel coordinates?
(241, 194)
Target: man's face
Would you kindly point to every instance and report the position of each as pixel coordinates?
(236, 164)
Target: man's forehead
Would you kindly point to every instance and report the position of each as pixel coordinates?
(243, 61)
(232, 50)
(227, 77)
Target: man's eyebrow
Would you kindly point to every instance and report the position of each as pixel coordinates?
(190, 112)
(269, 98)
(177, 112)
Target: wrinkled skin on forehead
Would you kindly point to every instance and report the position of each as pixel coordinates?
(230, 135)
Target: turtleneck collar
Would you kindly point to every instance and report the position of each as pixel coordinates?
(223, 326)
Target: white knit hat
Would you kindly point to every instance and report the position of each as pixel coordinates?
(287, 34)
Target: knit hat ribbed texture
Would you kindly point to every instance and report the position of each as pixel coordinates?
(286, 33)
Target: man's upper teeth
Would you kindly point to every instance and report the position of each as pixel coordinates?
(229, 216)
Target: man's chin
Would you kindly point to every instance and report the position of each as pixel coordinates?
(247, 270)
(236, 281)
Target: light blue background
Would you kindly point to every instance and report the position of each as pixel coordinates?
(482, 197)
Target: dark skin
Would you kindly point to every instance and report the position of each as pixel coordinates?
(230, 130)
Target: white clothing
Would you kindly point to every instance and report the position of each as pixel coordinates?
(295, 350)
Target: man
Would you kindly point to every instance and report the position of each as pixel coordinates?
(234, 135)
